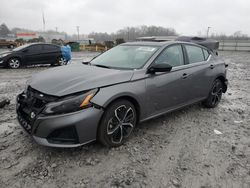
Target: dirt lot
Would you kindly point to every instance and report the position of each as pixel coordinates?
(176, 150)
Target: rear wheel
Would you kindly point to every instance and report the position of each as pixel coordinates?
(117, 123)
(61, 61)
(14, 63)
(214, 95)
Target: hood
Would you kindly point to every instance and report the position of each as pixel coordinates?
(70, 79)
(5, 53)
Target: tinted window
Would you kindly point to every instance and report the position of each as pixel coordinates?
(35, 48)
(172, 55)
(206, 54)
(194, 53)
(50, 47)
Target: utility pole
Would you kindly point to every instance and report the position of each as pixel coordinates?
(77, 28)
(208, 28)
(56, 29)
(128, 33)
(43, 22)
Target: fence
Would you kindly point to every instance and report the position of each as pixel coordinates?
(234, 45)
(93, 48)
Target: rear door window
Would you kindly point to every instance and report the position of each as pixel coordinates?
(206, 54)
(50, 48)
(35, 48)
(194, 53)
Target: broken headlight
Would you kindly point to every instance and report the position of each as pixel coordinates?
(70, 104)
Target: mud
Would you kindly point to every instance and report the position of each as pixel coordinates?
(179, 149)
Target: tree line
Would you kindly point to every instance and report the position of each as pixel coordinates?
(131, 33)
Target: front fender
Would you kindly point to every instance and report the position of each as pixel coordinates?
(135, 90)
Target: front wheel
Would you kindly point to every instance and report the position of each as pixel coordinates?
(215, 94)
(117, 123)
(14, 63)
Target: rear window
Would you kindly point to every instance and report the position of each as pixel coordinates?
(194, 53)
(206, 54)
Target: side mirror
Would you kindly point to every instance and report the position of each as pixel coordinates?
(85, 62)
(161, 67)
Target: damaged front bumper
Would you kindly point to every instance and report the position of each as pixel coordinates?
(64, 130)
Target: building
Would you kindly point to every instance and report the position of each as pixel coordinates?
(26, 35)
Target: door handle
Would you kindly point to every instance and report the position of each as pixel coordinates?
(184, 76)
(211, 66)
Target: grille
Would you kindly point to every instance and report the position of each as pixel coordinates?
(30, 104)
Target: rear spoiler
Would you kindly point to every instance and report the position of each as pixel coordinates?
(208, 43)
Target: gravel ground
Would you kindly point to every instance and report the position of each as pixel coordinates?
(179, 149)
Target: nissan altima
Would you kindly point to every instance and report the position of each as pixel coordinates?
(105, 99)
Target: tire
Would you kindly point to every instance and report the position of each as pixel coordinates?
(14, 63)
(215, 94)
(117, 123)
(61, 61)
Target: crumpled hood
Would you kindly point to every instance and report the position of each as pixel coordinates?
(70, 79)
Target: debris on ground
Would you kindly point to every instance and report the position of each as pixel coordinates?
(217, 132)
(179, 149)
(4, 102)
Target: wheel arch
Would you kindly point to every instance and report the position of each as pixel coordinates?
(131, 99)
(122, 97)
(15, 56)
(223, 80)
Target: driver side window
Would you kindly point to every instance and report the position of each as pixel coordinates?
(172, 55)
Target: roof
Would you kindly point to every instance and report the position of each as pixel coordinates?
(152, 41)
(209, 43)
(157, 38)
(146, 43)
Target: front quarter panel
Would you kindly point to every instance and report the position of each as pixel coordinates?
(133, 89)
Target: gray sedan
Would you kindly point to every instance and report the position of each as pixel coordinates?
(105, 99)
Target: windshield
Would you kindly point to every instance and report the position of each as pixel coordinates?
(21, 47)
(125, 57)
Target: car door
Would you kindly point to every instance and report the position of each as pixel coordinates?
(51, 52)
(199, 71)
(33, 54)
(168, 90)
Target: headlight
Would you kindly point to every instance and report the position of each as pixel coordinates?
(70, 104)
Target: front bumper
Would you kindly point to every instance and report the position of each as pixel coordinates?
(3, 61)
(84, 124)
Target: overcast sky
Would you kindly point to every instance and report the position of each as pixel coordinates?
(186, 16)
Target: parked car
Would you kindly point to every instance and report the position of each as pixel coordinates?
(131, 83)
(8, 44)
(33, 54)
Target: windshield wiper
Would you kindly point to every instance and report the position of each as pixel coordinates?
(103, 66)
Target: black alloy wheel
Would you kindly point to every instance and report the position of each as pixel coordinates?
(214, 95)
(117, 123)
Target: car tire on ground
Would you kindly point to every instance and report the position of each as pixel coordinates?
(11, 46)
(61, 61)
(14, 63)
(215, 94)
(117, 123)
